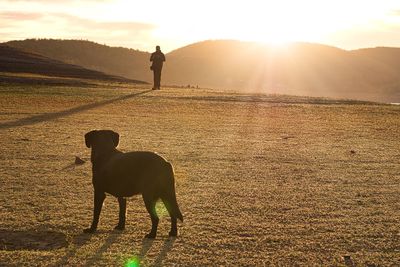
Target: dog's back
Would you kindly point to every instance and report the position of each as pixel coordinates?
(141, 172)
(128, 174)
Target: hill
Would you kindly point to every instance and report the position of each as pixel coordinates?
(113, 61)
(297, 69)
(13, 60)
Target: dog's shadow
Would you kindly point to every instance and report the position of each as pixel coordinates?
(48, 240)
(146, 246)
(141, 257)
(167, 246)
(13, 240)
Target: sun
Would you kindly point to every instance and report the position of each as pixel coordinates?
(273, 22)
(281, 22)
(267, 21)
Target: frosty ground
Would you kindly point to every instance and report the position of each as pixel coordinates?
(261, 179)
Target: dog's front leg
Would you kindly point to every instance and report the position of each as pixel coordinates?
(98, 204)
(122, 213)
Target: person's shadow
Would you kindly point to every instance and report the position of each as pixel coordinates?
(56, 115)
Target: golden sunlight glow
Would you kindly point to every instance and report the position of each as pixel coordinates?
(174, 23)
(265, 21)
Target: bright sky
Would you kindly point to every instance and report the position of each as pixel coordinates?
(142, 24)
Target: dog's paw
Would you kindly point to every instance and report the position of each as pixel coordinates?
(119, 227)
(150, 236)
(89, 231)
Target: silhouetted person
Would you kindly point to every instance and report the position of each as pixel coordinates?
(157, 58)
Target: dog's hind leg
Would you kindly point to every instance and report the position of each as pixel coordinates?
(98, 204)
(174, 212)
(150, 203)
(122, 214)
(171, 211)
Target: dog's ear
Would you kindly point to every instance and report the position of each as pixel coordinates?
(89, 138)
(115, 138)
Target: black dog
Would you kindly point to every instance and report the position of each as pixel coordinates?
(127, 174)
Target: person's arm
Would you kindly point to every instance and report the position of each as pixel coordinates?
(151, 57)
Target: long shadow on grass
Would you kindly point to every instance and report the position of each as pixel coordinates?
(56, 115)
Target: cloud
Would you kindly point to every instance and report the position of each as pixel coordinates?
(13, 15)
(59, 1)
(395, 13)
(51, 20)
(22, 25)
(93, 24)
(351, 39)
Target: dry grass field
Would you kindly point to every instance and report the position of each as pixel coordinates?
(261, 180)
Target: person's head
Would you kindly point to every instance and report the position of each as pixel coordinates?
(158, 48)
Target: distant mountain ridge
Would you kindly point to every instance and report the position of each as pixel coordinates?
(298, 68)
(111, 60)
(16, 61)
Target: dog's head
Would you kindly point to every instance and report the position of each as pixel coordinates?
(101, 139)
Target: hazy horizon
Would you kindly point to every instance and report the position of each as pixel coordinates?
(174, 24)
(286, 44)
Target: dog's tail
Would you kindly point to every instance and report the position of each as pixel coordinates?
(170, 197)
(178, 211)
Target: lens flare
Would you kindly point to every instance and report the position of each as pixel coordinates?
(161, 209)
(134, 262)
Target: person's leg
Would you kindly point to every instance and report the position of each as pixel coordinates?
(154, 79)
(157, 78)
